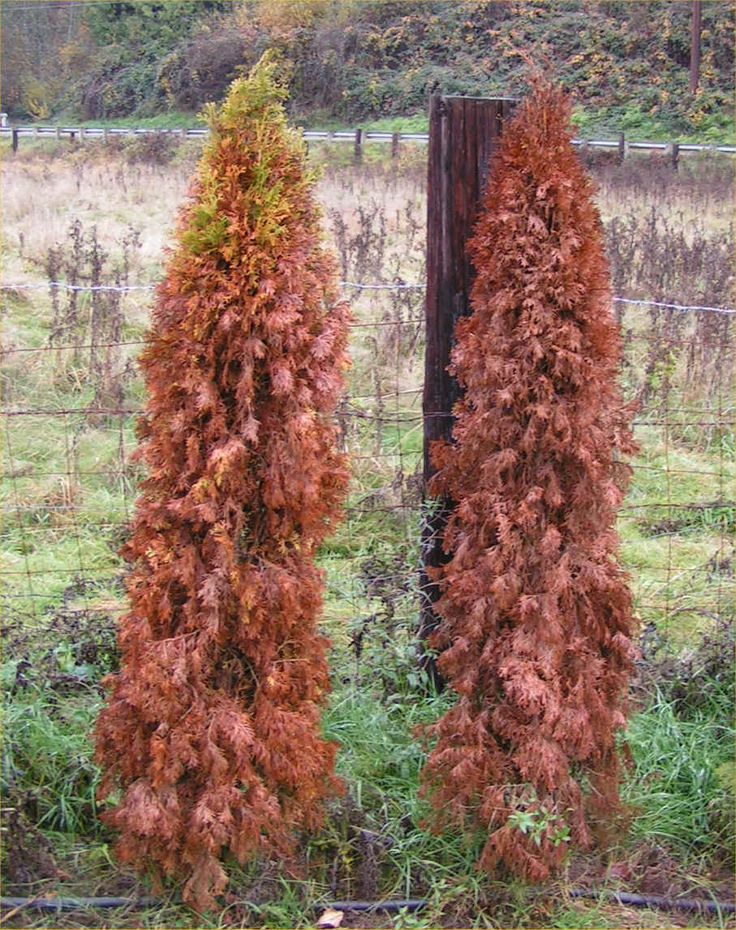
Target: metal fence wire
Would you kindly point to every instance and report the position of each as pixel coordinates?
(69, 483)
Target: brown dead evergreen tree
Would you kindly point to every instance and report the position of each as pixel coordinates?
(535, 613)
(210, 737)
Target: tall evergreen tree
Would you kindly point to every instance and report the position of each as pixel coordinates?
(535, 612)
(211, 731)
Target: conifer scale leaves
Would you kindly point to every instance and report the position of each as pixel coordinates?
(535, 612)
(211, 730)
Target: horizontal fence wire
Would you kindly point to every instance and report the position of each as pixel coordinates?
(353, 414)
(69, 484)
(382, 286)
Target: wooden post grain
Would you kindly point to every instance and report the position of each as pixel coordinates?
(395, 141)
(463, 134)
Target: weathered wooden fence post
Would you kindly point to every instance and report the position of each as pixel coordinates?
(358, 145)
(675, 154)
(15, 139)
(463, 133)
(395, 140)
(621, 148)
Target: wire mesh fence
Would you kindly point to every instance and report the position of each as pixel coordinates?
(76, 321)
(69, 486)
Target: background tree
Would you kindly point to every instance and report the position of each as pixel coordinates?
(138, 68)
(627, 64)
(535, 612)
(44, 47)
(211, 731)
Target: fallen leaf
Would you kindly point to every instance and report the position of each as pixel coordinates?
(330, 919)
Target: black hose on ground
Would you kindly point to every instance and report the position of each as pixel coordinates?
(658, 901)
(411, 904)
(77, 904)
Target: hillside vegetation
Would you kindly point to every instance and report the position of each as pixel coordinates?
(626, 64)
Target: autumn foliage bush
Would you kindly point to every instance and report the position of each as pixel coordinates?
(209, 743)
(535, 612)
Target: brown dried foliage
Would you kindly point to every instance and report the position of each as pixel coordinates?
(211, 731)
(535, 612)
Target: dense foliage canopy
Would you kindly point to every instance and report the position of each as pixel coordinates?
(535, 611)
(356, 59)
(210, 736)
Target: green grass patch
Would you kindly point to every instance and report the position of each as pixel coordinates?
(681, 786)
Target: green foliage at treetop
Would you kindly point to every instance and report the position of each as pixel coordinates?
(626, 64)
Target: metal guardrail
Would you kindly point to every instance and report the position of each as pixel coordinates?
(356, 136)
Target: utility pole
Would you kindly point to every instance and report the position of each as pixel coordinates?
(695, 46)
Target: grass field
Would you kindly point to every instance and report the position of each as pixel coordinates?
(100, 216)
